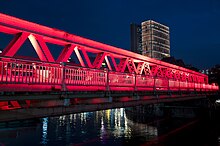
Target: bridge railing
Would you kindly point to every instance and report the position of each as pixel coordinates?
(29, 72)
(121, 79)
(18, 71)
(84, 76)
(145, 81)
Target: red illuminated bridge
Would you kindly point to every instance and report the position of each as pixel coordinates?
(23, 80)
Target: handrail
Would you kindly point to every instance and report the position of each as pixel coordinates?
(14, 71)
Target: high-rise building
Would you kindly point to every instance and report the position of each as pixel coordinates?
(136, 38)
(155, 40)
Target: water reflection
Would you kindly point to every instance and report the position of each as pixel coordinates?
(106, 125)
(119, 126)
(44, 131)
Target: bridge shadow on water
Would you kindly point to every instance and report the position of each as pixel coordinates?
(201, 129)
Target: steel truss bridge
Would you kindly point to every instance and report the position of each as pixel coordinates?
(126, 73)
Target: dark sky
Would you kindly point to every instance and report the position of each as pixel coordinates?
(194, 24)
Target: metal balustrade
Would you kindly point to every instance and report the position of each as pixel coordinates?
(29, 72)
(121, 79)
(144, 81)
(84, 76)
(18, 72)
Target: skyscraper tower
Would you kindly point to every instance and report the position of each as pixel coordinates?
(155, 40)
(136, 38)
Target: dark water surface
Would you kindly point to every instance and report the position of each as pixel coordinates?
(109, 127)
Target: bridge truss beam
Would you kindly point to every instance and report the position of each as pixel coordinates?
(128, 61)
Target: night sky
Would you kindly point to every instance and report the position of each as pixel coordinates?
(194, 24)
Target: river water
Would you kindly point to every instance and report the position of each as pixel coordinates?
(109, 127)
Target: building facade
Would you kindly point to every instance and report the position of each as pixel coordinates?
(155, 40)
(136, 38)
